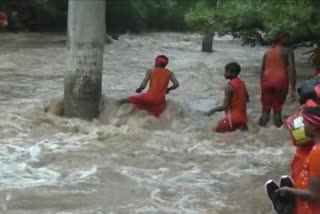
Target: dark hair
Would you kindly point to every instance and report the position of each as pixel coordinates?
(279, 36)
(162, 65)
(233, 67)
(313, 110)
(317, 67)
(164, 57)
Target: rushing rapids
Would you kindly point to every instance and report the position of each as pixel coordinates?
(133, 163)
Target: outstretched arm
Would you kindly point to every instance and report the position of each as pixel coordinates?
(175, 82)
(311, 194)
(313, 191)
(145, 81)
(304, 194)
(228, 93)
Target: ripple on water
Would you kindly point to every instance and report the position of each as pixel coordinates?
(127, 162)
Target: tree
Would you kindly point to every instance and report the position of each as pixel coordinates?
(257, 21)
(209, 34)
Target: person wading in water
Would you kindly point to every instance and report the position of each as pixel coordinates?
(235, 102)
(153, 100)
(278, 78)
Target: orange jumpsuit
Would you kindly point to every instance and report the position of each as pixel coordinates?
(311, 167)
(154, 100)
(236, 113)
(275, 81)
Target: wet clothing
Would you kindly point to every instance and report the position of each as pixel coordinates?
(311, 167)
(225, 126)
(236, 113)
(275, 81)
(154, 100)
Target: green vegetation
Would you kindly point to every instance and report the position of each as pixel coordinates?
(122, 15)
(251, 20)
(142, 15)
(258, 20)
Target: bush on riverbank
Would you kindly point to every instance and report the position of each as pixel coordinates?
(258, 20)
(251, 20)
(122, 15)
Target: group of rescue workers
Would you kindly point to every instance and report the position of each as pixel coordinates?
(300, 192)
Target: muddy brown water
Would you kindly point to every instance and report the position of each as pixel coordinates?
(133, 163)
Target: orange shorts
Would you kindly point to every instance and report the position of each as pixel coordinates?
(149, 103)
(224, 126)
(273, 97)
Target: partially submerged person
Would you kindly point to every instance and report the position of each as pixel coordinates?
(307, 186)
(278, 78)
(235, 102)
(153, 100)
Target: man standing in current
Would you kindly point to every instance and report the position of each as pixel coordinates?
(278, 79)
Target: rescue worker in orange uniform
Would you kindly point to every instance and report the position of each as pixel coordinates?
(303, 144)
(278, 79)
(235, 102)
(154, 100)
(307, 186)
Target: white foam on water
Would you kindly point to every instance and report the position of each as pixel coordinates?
(126, 162)
(82, 176)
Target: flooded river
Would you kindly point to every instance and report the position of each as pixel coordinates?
(124, 163)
